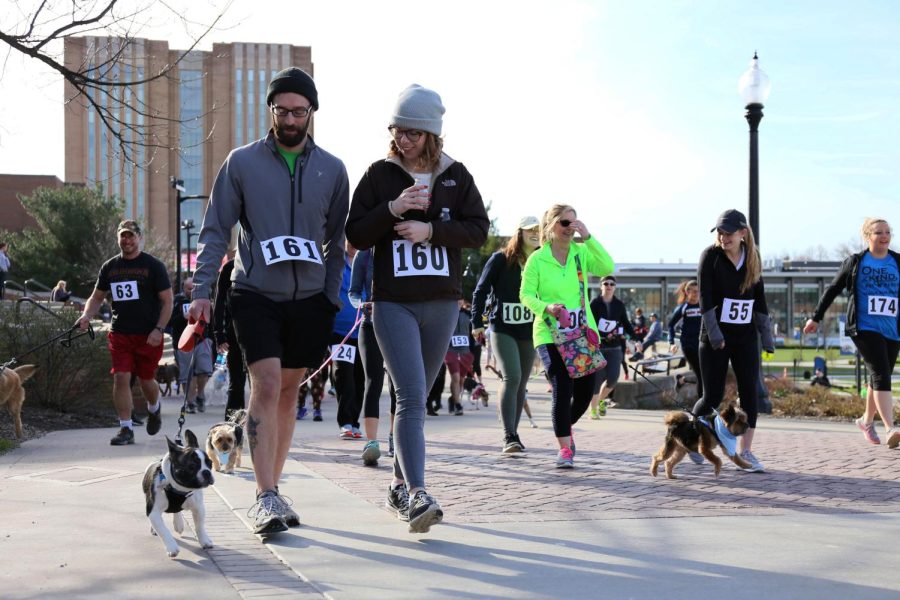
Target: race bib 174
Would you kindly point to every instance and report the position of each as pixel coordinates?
(882, 306)
(289, 247)
(420, 259)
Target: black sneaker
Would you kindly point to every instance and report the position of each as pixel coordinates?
(154, 421)
(398, 501)
(424, 511)
(430, 412)
(123, 438)
(459, 410)
(201, 404)
(191, 408)
(136, 420)
(510, 445)
(519, 441)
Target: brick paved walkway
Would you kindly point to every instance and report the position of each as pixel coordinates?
(817, 473)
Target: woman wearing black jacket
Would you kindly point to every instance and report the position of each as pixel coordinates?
(417, 208)
(511, 324)
(873, 279)
(734, 317)
(688, 314)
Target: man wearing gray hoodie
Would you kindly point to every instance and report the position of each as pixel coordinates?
(291, 199)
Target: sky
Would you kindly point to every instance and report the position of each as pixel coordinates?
(627, 110)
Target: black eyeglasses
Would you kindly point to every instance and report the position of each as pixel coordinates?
(412, 135)
(609, 284)
(564, 222)
(299, 113)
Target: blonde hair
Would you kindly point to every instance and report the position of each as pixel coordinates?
(869, 225)
(682, 290)
(431, 152)
(549, 220)
(751, 260)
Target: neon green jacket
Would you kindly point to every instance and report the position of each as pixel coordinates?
(545, 282)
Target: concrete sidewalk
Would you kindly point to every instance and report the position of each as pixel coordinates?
(823, 522)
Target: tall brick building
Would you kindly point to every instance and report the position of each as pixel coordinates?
(213, 102)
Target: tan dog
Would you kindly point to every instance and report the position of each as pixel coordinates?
(12, 394)
(225, 442)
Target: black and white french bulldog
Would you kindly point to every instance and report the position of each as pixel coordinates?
(175, 483)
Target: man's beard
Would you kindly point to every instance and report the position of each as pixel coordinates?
(290, 136)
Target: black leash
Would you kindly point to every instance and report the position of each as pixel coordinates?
(66, 343)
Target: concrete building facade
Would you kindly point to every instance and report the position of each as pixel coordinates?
(211, 102)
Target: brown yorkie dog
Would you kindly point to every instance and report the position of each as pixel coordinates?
(687, 434)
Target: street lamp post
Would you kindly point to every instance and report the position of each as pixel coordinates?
(188, 225)
(178, 186)
(754, 88)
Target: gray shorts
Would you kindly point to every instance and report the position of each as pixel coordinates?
(203, 361)
(610, 373)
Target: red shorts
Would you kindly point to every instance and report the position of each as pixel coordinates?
(132, 354)
(459, 363)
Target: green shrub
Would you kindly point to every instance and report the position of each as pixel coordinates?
(67, 379)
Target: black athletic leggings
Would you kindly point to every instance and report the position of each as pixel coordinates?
(349, 382)
(571, 397)
(744, 360)
(692, 355)
(373, 366)
(880, 356)
(237, 375)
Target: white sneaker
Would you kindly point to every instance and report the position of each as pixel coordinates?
(755, 465)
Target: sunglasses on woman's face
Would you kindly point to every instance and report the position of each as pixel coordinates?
(564, 222)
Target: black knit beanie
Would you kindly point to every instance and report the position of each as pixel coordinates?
(293, 80)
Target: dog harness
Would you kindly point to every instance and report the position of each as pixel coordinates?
(176, 498)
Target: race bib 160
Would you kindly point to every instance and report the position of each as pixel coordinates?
(420, 259)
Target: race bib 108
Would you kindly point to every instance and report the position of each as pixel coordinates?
(420, 259)
(289, 247)
(513, 313)
(123, 291)
(882, 306)
(736, 312)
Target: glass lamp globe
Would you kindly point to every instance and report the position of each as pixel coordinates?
(754, 86)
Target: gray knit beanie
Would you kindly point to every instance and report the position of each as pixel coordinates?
(418, 108)
(294, 80)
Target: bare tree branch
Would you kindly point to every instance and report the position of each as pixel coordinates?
(98, 82)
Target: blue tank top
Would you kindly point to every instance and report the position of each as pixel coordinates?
(877, 289)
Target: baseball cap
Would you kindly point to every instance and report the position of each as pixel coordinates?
(528, 222)
(129, 225)
(731, 220)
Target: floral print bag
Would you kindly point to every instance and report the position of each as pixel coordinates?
(579, 347)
